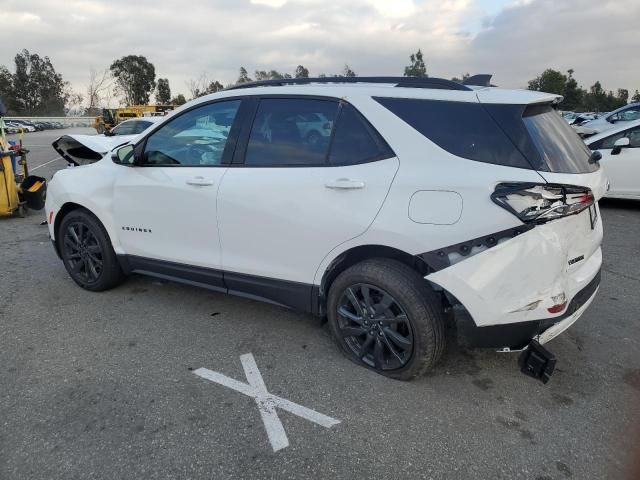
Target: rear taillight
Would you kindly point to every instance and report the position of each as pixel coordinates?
(538, 203)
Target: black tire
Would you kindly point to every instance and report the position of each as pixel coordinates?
(377, 280)
(87, 253)
(100, 129)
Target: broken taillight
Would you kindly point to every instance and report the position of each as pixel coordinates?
(539, 203)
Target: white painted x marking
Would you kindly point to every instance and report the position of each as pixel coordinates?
(267, 402)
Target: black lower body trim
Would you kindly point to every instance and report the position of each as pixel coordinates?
(295, 295)
(516, 335)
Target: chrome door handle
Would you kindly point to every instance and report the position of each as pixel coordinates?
(200, 182)
(345, 183)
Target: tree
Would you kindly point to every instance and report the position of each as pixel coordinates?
(636, 97)
(550, 81)
(99, 84)
(573, 94)
(271, 75)
(163, 94)
(135, 78)
(36, 86)
(460, 80)
(623, 95)
(73, 102)
(6, 87)
(417, 67)
(244, 76)
(347, 72)
(178, 100)
(214, 86)
(301, 72)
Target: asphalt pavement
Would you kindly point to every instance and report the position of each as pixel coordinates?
(102, 385)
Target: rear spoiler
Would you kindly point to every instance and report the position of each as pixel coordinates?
(480, 80)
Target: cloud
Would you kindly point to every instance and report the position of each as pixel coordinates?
(186, 39)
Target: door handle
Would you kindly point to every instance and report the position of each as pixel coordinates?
(200, 182)
(345, 183)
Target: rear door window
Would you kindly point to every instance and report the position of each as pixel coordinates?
(355, 141)
(291, 131)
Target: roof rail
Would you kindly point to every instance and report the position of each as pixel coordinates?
(410, 82)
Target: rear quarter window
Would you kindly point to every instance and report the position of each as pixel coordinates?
(461, 128)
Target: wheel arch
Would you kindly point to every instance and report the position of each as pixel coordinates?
(361, 253)
(66, 208)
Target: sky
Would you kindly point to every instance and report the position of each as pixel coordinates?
(515, 40)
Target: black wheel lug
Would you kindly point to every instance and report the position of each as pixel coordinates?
(366, 322)
(380, 333)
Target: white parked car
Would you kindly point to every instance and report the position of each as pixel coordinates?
(133, 126)
(418, 208)
(622, 115)
(620, 150)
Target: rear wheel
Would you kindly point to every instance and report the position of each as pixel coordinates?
(385, 317)
(87, 252)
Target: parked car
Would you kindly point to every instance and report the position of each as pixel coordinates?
(418, 209)
(628, 113)
(620, 150)
(10, 128)
(133, 126)
(24, 125)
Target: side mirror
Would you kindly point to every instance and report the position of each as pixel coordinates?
(619, 145)
(125, 155)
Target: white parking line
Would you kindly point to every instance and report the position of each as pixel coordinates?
(47, 163)
(267, 402)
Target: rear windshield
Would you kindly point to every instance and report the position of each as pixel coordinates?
(534, 137)
(560, 147)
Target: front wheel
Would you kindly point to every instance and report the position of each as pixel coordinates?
(385, 317)
(87, 252)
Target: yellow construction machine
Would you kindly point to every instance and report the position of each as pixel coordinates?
(113, 116)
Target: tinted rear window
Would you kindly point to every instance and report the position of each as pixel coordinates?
(461, 128)
(512, 135)
(355, 141)
(559, 146)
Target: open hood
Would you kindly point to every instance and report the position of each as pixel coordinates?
(86, 149)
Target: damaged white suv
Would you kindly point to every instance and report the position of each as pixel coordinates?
(422, 201)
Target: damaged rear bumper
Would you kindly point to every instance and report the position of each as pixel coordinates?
(516, 336)
(533, 285)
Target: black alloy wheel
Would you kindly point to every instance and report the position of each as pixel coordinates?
(375, 327)
(82, 252)
(86, 251)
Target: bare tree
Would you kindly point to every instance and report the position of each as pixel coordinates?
(197, 86)
(98, 89)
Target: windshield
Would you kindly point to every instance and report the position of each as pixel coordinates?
(559, 146)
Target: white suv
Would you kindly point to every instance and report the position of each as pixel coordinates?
(428, 202)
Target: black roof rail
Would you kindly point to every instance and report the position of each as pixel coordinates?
(409, 82)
